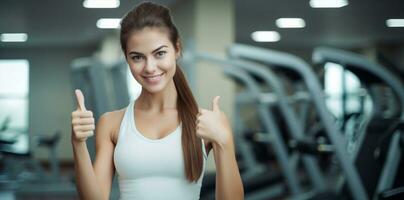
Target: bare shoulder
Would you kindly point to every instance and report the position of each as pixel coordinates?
(114, 116)
(111, 121)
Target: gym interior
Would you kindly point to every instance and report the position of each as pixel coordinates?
(313, 89)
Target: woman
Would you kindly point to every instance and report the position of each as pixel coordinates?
(158, 145)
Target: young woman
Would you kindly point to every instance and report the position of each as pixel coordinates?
(158, 145)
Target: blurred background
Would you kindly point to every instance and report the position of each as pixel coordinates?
(49, 48)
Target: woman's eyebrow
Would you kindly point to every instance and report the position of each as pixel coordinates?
(162, 46)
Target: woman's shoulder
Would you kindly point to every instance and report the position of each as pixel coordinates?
(111, 121)
(113, 116)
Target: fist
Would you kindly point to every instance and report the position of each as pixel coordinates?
(213, 125)
(83, 125)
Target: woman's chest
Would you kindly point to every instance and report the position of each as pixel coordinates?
(156, 126)
(136, 158)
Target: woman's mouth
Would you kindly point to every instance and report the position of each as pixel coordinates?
(153, 79)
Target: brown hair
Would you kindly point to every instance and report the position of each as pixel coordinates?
(148, 14)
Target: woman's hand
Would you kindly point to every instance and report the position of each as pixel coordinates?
(82, 120)
(213, 125)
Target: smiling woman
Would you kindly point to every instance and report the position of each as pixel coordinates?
(159, 144)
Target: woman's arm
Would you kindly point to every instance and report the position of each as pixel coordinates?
(214, 127)
(92, 182)
(228, 180)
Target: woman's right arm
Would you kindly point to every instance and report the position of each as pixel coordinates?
(93, 182)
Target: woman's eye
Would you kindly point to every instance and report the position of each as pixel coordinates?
(161, 53)
(137, 58)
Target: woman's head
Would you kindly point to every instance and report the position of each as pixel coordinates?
(151, 44)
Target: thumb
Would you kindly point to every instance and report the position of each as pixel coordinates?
(215, 104)
(80, 100)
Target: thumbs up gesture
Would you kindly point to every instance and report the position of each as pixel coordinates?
(213, 125)
(82, 120)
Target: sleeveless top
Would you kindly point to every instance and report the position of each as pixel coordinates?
(151, 169)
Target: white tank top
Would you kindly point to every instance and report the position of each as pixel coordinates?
(150, 169)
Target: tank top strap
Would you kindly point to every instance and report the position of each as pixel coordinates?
(205, 155)
(125, 123)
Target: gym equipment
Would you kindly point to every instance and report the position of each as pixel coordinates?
(15, 145)
(23, 174)
(381, 132)
(282, 60)
(294, 125)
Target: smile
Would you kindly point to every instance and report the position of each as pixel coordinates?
(154, 78)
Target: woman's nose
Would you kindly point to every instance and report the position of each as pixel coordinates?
(150, 65)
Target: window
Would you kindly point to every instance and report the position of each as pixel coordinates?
(14, 90)
(344, 91)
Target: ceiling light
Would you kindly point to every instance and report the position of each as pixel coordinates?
(108, 23)
(13, 37)
(328, 3)
(265, 36)
(395, 22)
(101, 3)
(290, 23)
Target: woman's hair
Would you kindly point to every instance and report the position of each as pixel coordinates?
(148, 14)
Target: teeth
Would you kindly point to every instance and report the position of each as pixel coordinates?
(153, 76)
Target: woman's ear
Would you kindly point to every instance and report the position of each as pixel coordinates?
(178, 49)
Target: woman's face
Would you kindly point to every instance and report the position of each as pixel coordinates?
(152, 58)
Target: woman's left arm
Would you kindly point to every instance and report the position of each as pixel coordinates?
(213, 125)
(228, 180)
